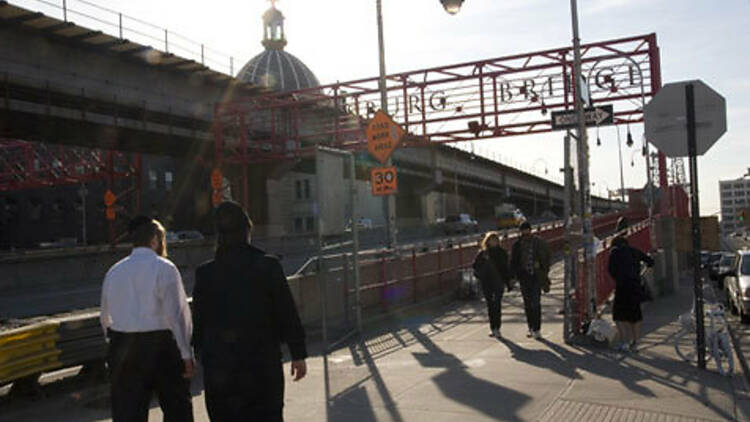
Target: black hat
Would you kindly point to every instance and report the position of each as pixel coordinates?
(138, 222)
(231, 217)
(622, 224)
(525, 226)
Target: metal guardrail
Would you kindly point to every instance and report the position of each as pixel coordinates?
(50, 345)
(123, 26)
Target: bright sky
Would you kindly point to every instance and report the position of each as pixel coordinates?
(337, 39)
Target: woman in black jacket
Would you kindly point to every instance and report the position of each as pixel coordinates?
(491, 268)
(625, 269)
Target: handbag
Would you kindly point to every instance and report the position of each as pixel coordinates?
(644, 291)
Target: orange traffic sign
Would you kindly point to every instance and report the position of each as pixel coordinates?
(217, 198)
(110, 213)
(383, 181)
(109, 198)
(217, 179)
(383, 136)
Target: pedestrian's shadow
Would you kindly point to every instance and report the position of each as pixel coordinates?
(542, 358)
(459, 384)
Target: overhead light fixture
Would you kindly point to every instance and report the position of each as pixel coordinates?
(452, 6)
(629, 142)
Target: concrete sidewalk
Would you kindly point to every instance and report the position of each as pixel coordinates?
(440, 365)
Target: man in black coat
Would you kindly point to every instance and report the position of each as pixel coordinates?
(530, 262)
(243, 310)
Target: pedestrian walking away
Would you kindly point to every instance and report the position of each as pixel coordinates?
(625, 268)
(491, 268)
(243, 310)
(146, 319)
(530, 262)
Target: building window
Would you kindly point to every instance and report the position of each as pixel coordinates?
(153, 178)
(310, 224)
(307, 188)
(726, 202)
(298, 225)
(739, 185)
(298, 189)
(168, 180)
(727, 194)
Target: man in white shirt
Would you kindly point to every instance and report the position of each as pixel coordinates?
(145, 315)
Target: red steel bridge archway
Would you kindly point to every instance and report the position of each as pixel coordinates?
(487, 99)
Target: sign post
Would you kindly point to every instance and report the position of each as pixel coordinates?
(383, 137)
(688, 111)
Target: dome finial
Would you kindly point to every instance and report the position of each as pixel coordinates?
(273, 28)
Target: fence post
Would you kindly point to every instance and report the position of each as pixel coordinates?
(166, 41)
(203, 60)
(440, 268)
(384, 281)
(345, 256)
(120, 16)
(414, 272)
(65, 10)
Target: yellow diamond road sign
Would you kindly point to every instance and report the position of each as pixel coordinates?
(383, 136)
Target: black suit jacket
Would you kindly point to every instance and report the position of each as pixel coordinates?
(243, 310)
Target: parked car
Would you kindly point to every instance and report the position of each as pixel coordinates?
(705, 255)
(713, 264)
(737, 285)
(461, 223)
(362, 224)
(724, 266)
(184, 235)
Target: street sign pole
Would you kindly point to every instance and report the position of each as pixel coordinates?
(583, 168)
(568, 267)
(695, 211)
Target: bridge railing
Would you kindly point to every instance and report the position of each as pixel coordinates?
(118, 24)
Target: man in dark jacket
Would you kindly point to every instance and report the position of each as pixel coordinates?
(243, 310)
(530, 263)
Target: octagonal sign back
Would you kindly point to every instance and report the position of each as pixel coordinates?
(666, 118)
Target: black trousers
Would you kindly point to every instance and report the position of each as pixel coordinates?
(254, 393)
(532, 302)
(142, 364)
(494, 300)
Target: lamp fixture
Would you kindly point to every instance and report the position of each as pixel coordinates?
(452, 6)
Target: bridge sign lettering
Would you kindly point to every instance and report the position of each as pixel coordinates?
(383, 136)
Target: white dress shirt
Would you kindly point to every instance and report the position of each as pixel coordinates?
(144, 292)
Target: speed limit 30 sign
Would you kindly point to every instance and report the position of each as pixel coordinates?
(383, 181)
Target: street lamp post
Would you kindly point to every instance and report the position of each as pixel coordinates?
(389, 201)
